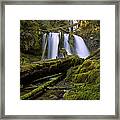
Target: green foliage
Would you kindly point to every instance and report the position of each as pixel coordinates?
(89, 29)
(27, 59)
(29, 35)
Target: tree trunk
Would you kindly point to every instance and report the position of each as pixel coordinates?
(44, 49)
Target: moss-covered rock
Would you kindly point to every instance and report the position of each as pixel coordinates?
(83, 92)
(85, 80)
(88, 72)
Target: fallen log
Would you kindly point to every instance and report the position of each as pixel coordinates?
(29, 88)
(40, 89)
(58, 88)
(46, 78)
(31, 72)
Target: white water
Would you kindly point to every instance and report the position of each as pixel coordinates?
(53, 41)
(66, 44)
(80, 47)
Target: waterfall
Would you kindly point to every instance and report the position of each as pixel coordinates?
(66, 44)
(80, 47)
(53, 41)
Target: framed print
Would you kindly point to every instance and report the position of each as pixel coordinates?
(60, 59)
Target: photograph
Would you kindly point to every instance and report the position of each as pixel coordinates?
(60, 59)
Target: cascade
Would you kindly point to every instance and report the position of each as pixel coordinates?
(80, 47)
(53, 41)
(66, 44)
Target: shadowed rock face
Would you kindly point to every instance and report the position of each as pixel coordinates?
(92, 44)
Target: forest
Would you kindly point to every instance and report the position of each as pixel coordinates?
(59, 59)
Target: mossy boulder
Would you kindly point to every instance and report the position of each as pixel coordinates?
(88, 72)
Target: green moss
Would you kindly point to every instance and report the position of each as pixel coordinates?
(93, 75)
(56, 63)
(27, 58)
(83, 92)
(80, 78)
(87, 77)
(87, 63)
(71, 95)
(97, 80)
(88, 72)
(52, 95)
(28, 95)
